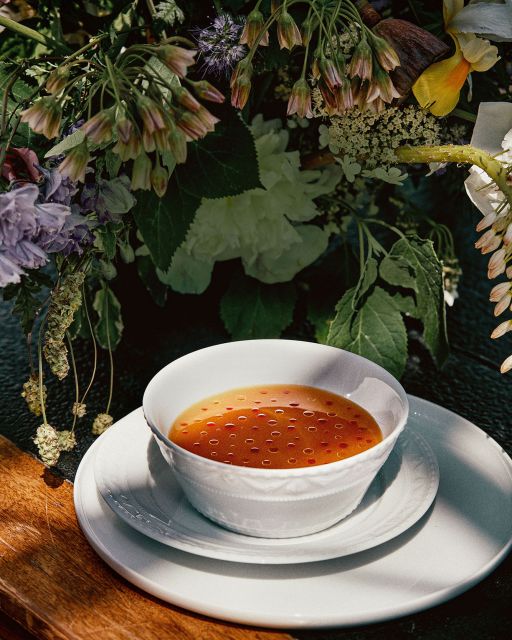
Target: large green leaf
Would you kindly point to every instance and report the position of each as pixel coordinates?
(366, 281)
(222, 164)
(397, 270)
(250, 309)
(164, 222)
(109, 326)
(375, 331)
(428, 284)
(147, 273)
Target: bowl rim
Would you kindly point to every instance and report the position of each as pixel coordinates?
(319, 469)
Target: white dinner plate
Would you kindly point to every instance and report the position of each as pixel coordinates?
(464, 536)
(140, 487)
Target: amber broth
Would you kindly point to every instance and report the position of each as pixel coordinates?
(275, 427)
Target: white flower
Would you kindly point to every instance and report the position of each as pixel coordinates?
(264, 227)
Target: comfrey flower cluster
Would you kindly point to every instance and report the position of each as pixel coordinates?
(219, 46)
(31, 228)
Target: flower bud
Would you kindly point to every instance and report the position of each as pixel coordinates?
(99, 128)
(300, 100)
(124, 128)
(186, 99)
(288, 33)
(361, 61)
(386, 55)
(141, 173)
(329, 98)
(128, 150)
(176, 58)
(240, 91)
(486, 221)
(151, 114)
(208, 119)
(178, 145)
(159, 180)
(381, 86)
(501, 329)
(506, 365)
(75, 163)
(44, 117)
(502, 305)
(498, 291)
(252, 29)
(206, 91)
(191, 125)
(308, 29)
(330, 73)
(57, 80)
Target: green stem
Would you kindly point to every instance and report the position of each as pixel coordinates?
(30, 33)
(465, 154)
(464, 115)
(113, 80)
(95, 347)
(75, 376)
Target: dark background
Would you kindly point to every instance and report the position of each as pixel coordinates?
(469, 383)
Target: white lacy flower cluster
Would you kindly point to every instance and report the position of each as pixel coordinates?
(264, 227)
(365, 142)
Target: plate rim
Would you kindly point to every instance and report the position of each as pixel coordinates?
(222, 552)
(304, 620)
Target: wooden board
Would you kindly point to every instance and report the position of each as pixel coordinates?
(55, 586)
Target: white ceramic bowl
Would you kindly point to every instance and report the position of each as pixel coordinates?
(274, 503)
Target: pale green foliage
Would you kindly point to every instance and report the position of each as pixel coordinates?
(264, 226)
(169, 12)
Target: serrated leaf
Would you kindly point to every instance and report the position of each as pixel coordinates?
(109, 327)
(366, 281)
(222, 164)
(430, 307)
(69, 142)
(395, 269)
(250, 309)
(405, 304)
(164, 222)
(113, 163)
(375, 331)
(146, 271)
(320, 315)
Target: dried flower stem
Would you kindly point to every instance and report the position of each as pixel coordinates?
(75, 376)
(95, 347)
(40, 368)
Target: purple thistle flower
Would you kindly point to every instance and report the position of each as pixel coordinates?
(219, 45)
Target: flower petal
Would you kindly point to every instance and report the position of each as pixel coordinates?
(479, 52)
(438, 87)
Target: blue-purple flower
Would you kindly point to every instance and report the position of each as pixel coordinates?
(219, 45)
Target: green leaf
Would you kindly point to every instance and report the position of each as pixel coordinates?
(222, 164)
(405, 304)
(430, 307)
(106, 240)
(320, 315)
(250, 309)
(146, 271)
(366, 281)
(109, 327)
(164, 222)
(375, 331)
(25, 296)
(113, 163)
(69, 142)
(395, 269)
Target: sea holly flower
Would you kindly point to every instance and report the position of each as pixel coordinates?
(75, 163)
(438, 88)
(44, 117)
(177, 59)
(252, 29)
(300, 100)
(219, 45)
(288, 34)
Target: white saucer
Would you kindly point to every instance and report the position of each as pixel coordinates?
(140, 487)
(459, 542)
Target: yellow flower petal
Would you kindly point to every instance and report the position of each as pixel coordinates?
(450, 9)
(438, 87)
(479, 52)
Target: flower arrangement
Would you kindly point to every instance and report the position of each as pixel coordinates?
(288, 138)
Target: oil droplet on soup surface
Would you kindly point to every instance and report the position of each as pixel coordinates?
(316, 421)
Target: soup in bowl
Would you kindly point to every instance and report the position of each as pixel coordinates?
(275, 438)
